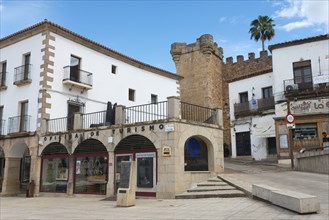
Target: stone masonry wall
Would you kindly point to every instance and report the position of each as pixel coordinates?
(206, 76)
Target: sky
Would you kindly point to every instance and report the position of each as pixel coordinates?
(145, 30)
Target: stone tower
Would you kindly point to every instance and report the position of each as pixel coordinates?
(200, 64)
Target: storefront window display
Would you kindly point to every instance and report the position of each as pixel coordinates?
(91, 174)
(54, 174)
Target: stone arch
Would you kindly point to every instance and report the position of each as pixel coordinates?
(18, 150)
(134, 142)
(54, 148)
(210, 141)
(90, 145)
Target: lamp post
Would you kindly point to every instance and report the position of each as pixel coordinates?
(290, 139)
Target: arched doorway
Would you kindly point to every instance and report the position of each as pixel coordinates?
(17, 169)
(2, 167)
(195, 154)
(143, 151)
(54, 168)
(90, 168)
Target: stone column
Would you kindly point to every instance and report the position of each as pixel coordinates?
(219, 117)
(11, 184)
(70, 181)
(173, 107)
(78, 121)
(120, 115)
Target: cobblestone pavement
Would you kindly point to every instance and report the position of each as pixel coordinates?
(83, 207)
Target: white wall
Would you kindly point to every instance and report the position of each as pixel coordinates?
(11, 97)
(106, 86)
(260, 127)
(283, 59)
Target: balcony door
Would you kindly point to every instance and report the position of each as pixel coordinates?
(70, 115)
(303, 75)
(27, 60)
(23, 116)
(75, 69)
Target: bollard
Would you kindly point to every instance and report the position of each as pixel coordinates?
(30, 189)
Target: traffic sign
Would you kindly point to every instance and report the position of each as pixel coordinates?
(290, 118)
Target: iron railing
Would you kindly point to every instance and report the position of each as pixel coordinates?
(60, 124)
(3, 78)
(2, 127)
(22, 73)
(197, 113)
(254, 106)
(79, 76)
(94, 119)
(305, 83)
(19, 124)
(147, 112)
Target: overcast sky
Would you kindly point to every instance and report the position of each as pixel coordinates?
(145, 30)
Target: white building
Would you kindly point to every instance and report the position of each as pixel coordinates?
(252, 112)
(301, 77)
(59, 129)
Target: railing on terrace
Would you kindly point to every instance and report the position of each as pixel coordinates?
(197, 113)
(147, 112)
(60, 124)
(2, 127)
(95, 119)
(22, 73)
(79, 76)
(19, 124)
(254, 106)
(306, 83)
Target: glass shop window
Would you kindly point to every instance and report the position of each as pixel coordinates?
(90, 174)
(306, 132)
(54, 175)
(145, 172)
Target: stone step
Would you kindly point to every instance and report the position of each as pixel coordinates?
(214, 179)
(212, 184)
(211, 194)
(210, 188)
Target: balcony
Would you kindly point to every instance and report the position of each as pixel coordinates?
(3, 81)
(77, 78)
(253, 107)
(23, 75)
(120, 115)
(19, 124)
(306, 87)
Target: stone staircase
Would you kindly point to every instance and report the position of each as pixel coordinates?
(212, 188)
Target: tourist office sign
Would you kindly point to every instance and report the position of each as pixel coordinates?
(310, 106)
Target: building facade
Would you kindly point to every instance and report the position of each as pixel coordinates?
(60, 128)
(301, 83)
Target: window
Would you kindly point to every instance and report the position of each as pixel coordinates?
(303, 74)
(154, 99)
(75, 68)
(145, 172)
(267, 92)
(27, 59)
(243, 97)
(2, 122)
(24, 118)
(305, 132)
(114, 69)
(3, 73)
(131, 95)
(195, 155)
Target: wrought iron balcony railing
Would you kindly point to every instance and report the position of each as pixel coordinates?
(252, 107)
(303, 84)
(78, 77)
(19, 124)
(23, 75)
(147, 112)
(197, 113)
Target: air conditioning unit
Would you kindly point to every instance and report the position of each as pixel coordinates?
(291, 87)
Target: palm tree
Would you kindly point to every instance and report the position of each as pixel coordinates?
(262, 28)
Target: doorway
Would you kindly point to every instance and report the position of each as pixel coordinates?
(243, 146)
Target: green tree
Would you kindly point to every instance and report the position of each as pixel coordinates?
(262, 28)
